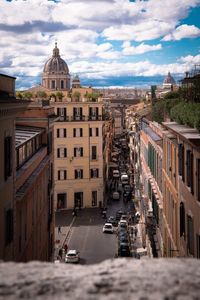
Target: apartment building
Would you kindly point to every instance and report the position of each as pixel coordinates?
(9, 108)
(34, 238)
(183, 168)
(78, 153)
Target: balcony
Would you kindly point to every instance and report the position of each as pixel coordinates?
(95, 118)
(78, 118)
(63, 119)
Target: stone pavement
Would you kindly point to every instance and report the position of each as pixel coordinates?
(62, 236)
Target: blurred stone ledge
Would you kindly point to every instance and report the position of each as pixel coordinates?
(122, 279)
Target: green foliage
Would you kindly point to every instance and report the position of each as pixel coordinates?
(92, 96)
(161, 109)
(187, 114)
(172, 95)
(76, 95)
(52, 95)
(27, 95)
(42, 94)
(19, 95)
(59, 95)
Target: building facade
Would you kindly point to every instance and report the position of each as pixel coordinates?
(9, 108)
(78, 154)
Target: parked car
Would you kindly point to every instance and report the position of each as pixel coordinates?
(124, 250)
(127, 188)
(115, 173)
(123, 223)
(72, 256)
(124, 179)
(112, 220)
(124, 239)
(108, 227)
(116, 196)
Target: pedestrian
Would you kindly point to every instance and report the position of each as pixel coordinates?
(66, 248)
(136, 231)
(59, 229)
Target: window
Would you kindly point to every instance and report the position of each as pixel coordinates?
(8, 157)
(62, 175)
(94, 131)
(8, 226)
(182, 219)
(77, 113)
(198, 245)
(181, 160)
(79, 174)
(78, 132)
(62, 112)
(61, 132)
(62, 152)
(53, 84)
(94, 198)
(61, 201)
(190, 235)
(62, 84)
(94, 173)
(198, 179)
(50, 142)
(78, 152)
(189, 163)
(94, 152)
(93, 113)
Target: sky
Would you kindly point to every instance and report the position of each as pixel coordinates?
(111, 43)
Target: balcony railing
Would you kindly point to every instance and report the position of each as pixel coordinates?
(95, 118)
(80, 118)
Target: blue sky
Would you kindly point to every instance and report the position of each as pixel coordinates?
(107, 42)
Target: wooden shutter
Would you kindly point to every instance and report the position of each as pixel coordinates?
(90, 131)
(74, 132)
(81, 151)
(58, 133)
(65, 174)
(58, 152)
(81, 131)
(76, 174)
(58, 175)
(65, 152)
(81, 173)
(97, 131)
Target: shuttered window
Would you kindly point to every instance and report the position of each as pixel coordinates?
(7, 157)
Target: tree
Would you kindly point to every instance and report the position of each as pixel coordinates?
(19, 95)
(59, 95)
(42, 94)
(27, 95)
(76, 96)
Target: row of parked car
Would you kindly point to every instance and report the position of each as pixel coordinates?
(121, 221)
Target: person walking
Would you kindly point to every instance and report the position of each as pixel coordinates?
(66, 248)
(59, 229)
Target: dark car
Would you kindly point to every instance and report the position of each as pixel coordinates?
(119, 213)
(124, 250)
(124, 239)
(113, 221)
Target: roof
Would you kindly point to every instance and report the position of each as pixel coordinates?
(23, 135)
(7, 76)
(191, 135)
(152, 134)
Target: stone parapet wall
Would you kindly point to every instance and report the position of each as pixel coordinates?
(121, 279)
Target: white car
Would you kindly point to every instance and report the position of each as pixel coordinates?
(115, 173)
(72, 256)
(108, 227)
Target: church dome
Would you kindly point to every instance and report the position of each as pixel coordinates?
(56, 65)
(169, 79)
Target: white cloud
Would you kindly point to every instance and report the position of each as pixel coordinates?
(140, 49)
(183, 31)
(190, 60)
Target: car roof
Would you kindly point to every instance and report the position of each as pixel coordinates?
(108, 224)
(72, 252)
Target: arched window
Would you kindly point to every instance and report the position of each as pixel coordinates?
(62, 84)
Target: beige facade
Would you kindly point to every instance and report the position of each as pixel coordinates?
(9, 108)
(185, 176)
(78, 154)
